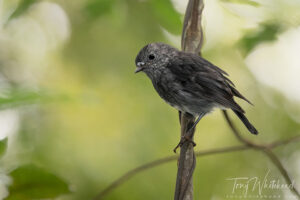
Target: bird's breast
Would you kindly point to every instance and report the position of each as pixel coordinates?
(168, 91)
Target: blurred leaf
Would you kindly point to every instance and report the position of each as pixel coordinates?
(266, 32)
(31, 182)
(3, 145)
(97, 8)
(247, 2)
(19, 97)
(22, 7)
(167, 16)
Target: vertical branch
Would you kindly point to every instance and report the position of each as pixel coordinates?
(191, 41)
(192, 33)
(186, 164)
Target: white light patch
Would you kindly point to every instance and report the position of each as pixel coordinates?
(4, 181)
(174, 39)
(180, 5)
(293, 162)
(9, 123)
(28, 41)
(219, 24)
(53, 21)
(277, 64)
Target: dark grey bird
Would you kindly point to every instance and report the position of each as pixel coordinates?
(188, 82)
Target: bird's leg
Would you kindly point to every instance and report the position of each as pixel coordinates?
(182, 141)
(179, 114)
(188, 135)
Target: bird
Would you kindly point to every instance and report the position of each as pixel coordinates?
(189, 83)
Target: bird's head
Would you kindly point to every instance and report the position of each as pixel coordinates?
(154, 57)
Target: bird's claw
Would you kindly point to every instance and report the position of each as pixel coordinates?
(178, 145)
(182, 141)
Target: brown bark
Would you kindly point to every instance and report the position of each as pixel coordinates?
(192, 40)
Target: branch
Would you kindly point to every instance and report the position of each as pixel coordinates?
(191, 41)
(238, 135)
(283, 142)
(282, 170)
(124, 178)
(267, 150)
(192, 33)
(159, 162)
(186, 163)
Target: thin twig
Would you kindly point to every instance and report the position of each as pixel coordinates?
(161, 161)
(238, 135)
(124, 178)
(282, 170)
(289, 140)
(267, 150)
(133, 172)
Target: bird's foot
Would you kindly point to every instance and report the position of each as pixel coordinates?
(182, 141)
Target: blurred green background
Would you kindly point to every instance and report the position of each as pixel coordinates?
(74, 116)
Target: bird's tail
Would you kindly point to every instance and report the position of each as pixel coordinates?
(249, 126)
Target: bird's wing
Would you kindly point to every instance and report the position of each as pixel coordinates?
(206, 80)
(217, 89)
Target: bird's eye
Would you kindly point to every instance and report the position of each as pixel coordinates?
(151, 57)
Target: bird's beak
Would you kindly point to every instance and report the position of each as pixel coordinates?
(140, 67)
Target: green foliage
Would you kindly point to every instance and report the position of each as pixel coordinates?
(246, 2)
(266, 33)
(97, 8)
(3, 146)
(19, 97)
(22, 7)
(163, 11)
(31, 182)
(167, 16)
